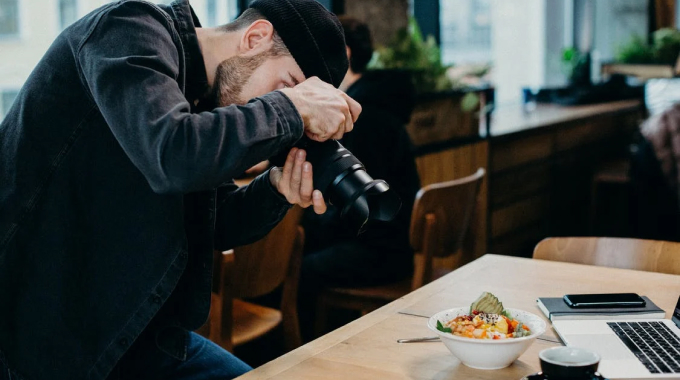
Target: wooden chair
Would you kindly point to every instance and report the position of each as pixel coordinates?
(638, 254)
(252, 271)
(440, 220)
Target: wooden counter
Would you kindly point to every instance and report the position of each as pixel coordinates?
(514, 120)
(540, 167)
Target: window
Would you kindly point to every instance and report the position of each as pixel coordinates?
(6, 100)
(211, 10)
(9, 18)
(68, 13)
(524, 40)
(215, 12)
(615, 23)
(465, 31)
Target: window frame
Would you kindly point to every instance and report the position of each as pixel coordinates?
(3, 91)
(20, 25)
(79, 11)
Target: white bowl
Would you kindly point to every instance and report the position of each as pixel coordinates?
(487, 353)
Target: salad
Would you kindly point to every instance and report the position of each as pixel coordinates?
(487, 320)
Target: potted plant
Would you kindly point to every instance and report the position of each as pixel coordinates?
(576, 66)
(445, 109)
(644, 60)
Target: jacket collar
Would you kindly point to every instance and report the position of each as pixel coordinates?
(197, 88)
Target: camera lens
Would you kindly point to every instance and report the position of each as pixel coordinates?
(344, 182)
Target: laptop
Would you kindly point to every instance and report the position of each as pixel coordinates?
(630, 349)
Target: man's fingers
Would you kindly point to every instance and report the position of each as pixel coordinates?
(354, 107)
(314, 137)
(275, 176)
(288, 166)
(296, 176)
(320, 105)
(307, 185)
(341, 131)
(318, 202)
(349, 124)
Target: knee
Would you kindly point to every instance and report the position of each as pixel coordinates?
(217, 362)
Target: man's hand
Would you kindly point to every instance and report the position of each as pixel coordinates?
(295, 182)
(327, 112)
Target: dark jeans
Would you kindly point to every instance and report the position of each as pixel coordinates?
(205, 361)
(348, 264)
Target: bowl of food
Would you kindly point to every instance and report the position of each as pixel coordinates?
(485, 335)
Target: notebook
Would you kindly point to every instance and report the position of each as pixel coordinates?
(555, 309)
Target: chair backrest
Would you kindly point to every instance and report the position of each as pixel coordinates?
(448, 207)
(261, 267)
(638, 254)
(441, 218)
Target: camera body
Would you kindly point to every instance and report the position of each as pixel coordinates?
(344, 183)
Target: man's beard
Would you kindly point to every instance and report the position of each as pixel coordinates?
(230, 77)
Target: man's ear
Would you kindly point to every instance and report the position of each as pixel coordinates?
(349, 52)
(257, 38)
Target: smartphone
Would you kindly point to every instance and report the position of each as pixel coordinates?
(612, 300)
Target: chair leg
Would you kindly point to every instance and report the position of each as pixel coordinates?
(289, 300)
(592, 217)
(291, 331)
(320, 324)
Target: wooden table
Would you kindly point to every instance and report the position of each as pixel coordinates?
(367, 347)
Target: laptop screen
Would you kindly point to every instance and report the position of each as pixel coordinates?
(676, 314)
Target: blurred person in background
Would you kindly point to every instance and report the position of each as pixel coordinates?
(117, 161)
(334, 255)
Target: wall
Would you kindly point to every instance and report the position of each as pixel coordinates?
(518, 44)
(384, 17)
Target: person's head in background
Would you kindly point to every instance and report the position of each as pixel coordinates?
(272, 45)
(359, 49)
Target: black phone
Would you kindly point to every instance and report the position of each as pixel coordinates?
(611, 300)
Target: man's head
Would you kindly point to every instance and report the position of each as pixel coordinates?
(278, 43)
(359, 43)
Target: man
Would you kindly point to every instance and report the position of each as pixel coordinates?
(115, 183)
(336, 256)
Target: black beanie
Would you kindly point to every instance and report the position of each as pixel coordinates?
(312, 34)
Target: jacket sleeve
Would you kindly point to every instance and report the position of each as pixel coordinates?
(247, 214)
(130, 63)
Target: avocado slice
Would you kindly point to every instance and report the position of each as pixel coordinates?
(487, 303)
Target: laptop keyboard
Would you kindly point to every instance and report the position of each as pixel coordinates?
(653, 343)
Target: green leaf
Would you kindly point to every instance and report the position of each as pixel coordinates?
(520, 331)
(441, 328)
(410, 50)
(636, 51)
(469, 102)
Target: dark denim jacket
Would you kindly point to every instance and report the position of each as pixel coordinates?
(113, 192)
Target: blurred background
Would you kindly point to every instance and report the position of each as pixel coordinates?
(547, 95)
(570, 107)
(508, 43)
